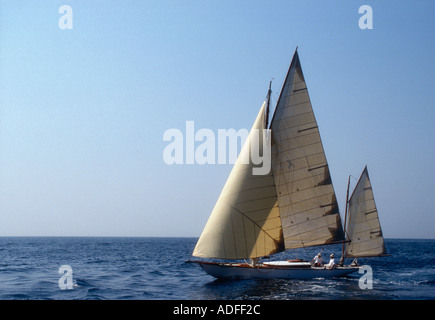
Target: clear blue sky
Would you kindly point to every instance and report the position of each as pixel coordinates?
(83, 111)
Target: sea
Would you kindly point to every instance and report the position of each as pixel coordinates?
(122, 268)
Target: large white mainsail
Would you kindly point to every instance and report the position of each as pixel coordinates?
(245, 221)
(363, 229)
(307, 202)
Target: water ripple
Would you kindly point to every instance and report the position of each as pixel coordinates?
(154, 268)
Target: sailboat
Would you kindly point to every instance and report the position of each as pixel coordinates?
(292, 206)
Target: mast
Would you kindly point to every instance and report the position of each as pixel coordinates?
(345, 220)
(269, 93)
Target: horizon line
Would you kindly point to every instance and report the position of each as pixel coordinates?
(124, 236)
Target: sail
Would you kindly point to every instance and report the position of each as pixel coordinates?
(363, 227)
(307, 202)
(245, 221)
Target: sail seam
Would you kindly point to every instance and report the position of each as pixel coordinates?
(311, 128)
(294, 224)
(308, 199)
(299, 90)
(255, 223)
(301, 171)
(372, 211)
(297, 114)
(298, 158)
(257, 199)
(305, 146)
(304, 179)
(296, 104)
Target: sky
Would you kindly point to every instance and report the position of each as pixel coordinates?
(83, 110)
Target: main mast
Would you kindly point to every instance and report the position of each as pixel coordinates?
(269, 93)
(345, 221)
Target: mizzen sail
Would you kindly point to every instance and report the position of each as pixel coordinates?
(306, 198)
(245, 221)
(363, 227)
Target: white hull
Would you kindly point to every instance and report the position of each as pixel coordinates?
(273, 270)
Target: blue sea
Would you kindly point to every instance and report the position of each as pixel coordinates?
(116, 268)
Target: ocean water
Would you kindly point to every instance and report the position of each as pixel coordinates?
(155, 269)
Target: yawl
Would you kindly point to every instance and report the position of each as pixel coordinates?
(293, 206)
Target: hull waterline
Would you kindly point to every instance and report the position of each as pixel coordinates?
(279, 270)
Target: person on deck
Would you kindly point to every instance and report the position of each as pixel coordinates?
(317, 261)
(331, 264)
